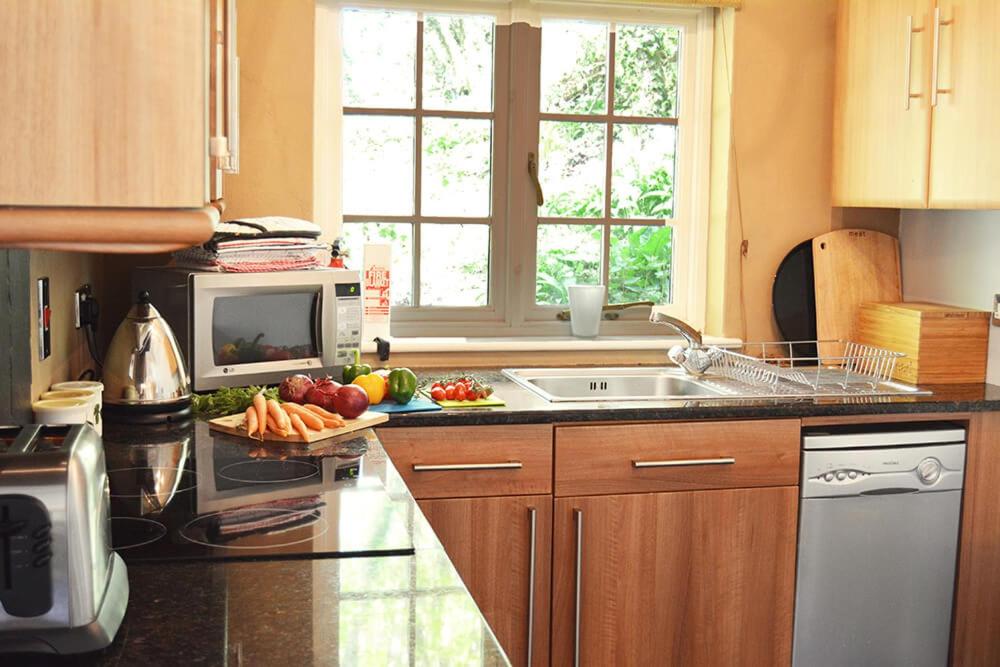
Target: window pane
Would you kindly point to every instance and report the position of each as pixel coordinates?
(456, 167)
(642, 180)
(641, 264)
(378, 165)
(458, 63)
(454, 265)
(379, 55)
(574, 67)
(646, 69)
(572, 169)
(567, 255)
(400, 235)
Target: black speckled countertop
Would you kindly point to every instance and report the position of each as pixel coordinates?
(315, 609)
(525, 407)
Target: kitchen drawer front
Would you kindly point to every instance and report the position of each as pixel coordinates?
(472, 461)
(684, 456)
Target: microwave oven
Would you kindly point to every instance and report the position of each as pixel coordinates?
(239, 329)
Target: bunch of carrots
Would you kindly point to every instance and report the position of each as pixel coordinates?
(283, 418)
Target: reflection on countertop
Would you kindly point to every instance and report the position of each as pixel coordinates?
(325, 600)
(525, 407)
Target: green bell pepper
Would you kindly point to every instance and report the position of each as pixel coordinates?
(356, 369)
(402, 385)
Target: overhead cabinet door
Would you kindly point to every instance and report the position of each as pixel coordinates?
(965, 137)
(882, 110)
(104, 103)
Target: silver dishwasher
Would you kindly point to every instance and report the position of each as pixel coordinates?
(878, 538)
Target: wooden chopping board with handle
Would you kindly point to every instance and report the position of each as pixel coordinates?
(851, 267)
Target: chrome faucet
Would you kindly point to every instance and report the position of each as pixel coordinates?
(694, 359)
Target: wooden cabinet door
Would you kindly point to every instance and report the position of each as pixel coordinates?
(965, 140)
(501, 547)
(686, 578)
(881, 143)
(104, 103)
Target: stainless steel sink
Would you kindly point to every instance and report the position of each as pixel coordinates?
(613, 384)
(670, 383)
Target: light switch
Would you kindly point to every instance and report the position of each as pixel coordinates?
(44, 316)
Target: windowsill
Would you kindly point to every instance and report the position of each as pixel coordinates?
(538, 344)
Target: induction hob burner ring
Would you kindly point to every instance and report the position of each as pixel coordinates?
(293, 519)
(187, 480)
(147, 531)
(268, 471)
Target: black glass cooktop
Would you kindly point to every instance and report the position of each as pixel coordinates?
(183, 492)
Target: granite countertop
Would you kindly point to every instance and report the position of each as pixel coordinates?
(319, 609)
(525, 407)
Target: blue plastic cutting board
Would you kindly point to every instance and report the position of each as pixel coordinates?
(415, 405)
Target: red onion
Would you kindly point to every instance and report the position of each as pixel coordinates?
(293, 389)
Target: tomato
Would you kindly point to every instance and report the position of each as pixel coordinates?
(449, 392)
(460, 392)
(436, 385)
(437, 393)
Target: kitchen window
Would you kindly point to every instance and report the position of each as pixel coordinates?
(506, 157)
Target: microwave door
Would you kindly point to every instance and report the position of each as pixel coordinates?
(259, 332)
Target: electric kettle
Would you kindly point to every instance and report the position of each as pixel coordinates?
(144, 370)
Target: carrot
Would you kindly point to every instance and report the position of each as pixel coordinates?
(280, 417)
(299, 426)
(275, 427)
(251, 420)
(308, 418)
(336, 422)
(325, 414)
(260, 405)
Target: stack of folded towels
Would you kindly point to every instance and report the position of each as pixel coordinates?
(253, 245)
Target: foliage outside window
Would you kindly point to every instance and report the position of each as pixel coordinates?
(433, 159)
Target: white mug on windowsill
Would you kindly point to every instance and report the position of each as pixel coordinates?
(585, 305)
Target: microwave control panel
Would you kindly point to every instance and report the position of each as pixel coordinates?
(348, 321)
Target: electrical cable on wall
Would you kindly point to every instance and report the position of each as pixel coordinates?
(744, 242)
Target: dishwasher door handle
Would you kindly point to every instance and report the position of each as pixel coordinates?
(889, 491)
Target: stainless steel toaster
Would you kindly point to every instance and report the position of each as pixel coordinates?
(62, 588)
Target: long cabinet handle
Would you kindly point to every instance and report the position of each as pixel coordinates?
(232, 91)
(533, 517)
(429, 467)
(936, 59)
(910, 31)
(578, 516)
(682, 463)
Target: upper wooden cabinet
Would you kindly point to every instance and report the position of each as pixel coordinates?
(914, 125)
(116, 111)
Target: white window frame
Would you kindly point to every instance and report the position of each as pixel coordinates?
(512, 310)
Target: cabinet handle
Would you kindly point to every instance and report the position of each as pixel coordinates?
(578, 515)
(681, 463)
(936, 60)
(910, 31)
(533, 516)
(510, 465)
(232, 164)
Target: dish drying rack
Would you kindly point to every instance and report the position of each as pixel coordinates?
(836, 367)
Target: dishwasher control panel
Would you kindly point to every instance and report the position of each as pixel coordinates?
(849, 472)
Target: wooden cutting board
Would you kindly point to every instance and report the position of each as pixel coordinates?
(851, 267)
(233, 424)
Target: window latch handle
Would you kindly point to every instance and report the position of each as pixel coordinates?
(533, 172)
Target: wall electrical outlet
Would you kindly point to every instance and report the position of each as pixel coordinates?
(996, 310)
